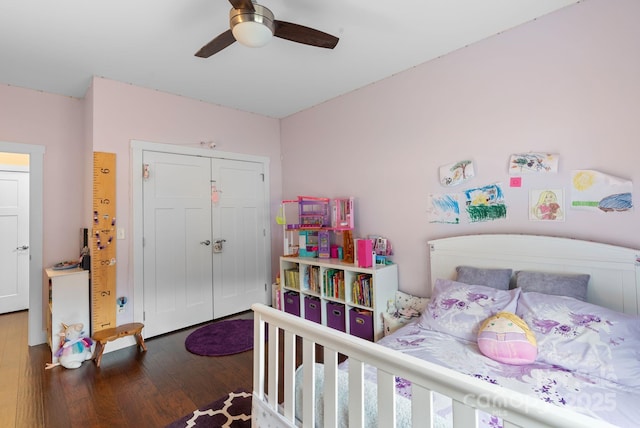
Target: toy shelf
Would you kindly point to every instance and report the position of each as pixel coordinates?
(309, 221)
(338, 294)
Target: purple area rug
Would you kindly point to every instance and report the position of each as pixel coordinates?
(233, 410)
(221, 338)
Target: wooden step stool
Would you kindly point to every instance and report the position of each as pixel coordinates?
(103, 336)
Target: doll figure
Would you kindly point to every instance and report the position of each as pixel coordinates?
(506, 338)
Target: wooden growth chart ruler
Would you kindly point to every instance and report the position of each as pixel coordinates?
(103, 243)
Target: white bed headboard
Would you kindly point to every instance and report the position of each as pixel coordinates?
(615, 271)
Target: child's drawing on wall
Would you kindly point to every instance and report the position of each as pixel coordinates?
(596, 191)
(456, 173)
(546, 205)
(444, 209)
(523, 163)
(485, 203)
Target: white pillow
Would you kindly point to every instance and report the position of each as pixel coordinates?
(392, 322)
(406, 308)
(458, 309)
(410, 306)
(583, 337)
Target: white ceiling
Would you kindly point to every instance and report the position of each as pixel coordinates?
(57, 46)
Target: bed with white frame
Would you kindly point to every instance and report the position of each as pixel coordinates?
(614, 284)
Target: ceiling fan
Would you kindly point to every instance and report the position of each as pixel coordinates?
(253, 25)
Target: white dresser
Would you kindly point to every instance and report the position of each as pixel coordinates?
(68, 303)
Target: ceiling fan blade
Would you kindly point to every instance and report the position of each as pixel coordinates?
(301, 34)
(216, 45)
(242, 4)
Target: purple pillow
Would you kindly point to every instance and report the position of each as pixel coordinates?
(559, 284)
(583, 337)
(494, 278)
(458, 309)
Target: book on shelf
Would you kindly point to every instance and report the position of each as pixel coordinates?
(311, 279)
(333, 283)
(361, 290)
(292, 278)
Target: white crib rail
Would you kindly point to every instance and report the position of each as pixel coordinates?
(468, 394)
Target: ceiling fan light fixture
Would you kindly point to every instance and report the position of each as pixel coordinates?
(252, 28)
(252, 34)
(253, 25)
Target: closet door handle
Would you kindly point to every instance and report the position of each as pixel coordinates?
(24, 247)
(217, 245)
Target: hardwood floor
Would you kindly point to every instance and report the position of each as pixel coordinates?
(129, 389)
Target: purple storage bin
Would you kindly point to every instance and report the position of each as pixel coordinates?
(335, 316)
(312, 309)
(361, 323)
(292, 302)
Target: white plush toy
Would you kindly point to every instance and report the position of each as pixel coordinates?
(75, 348)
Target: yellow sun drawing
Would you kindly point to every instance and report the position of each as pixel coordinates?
(583, 180)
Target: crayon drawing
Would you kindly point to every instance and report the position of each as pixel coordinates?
(546, 205)
(485, 203)
(456, 173)
(523, 163)
(444, 209)
(595, 191)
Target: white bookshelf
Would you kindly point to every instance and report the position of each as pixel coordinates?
(383, 286)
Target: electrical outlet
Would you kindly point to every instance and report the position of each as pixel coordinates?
(120, 233)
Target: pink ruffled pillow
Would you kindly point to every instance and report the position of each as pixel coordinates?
(506, 338)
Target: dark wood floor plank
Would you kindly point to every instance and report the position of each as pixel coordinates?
(129, 389)
(105, 400)
(12, 351)
(30, 409)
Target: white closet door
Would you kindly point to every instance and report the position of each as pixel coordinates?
(177, 247)
(239, 218)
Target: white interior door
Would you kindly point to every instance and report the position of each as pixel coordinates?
(177, 249)
(14, 241)
(240, 269)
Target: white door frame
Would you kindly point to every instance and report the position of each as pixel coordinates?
(137, 147)
(38, 294)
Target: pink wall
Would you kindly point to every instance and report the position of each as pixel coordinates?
(123, 112)
(56, 122)
(107, 119)
(566, 83)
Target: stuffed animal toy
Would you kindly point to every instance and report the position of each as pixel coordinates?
(506, 338)
(75, 348)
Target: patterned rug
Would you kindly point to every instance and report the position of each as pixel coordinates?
(231, 411)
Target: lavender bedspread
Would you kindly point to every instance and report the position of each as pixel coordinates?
(591, 395)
